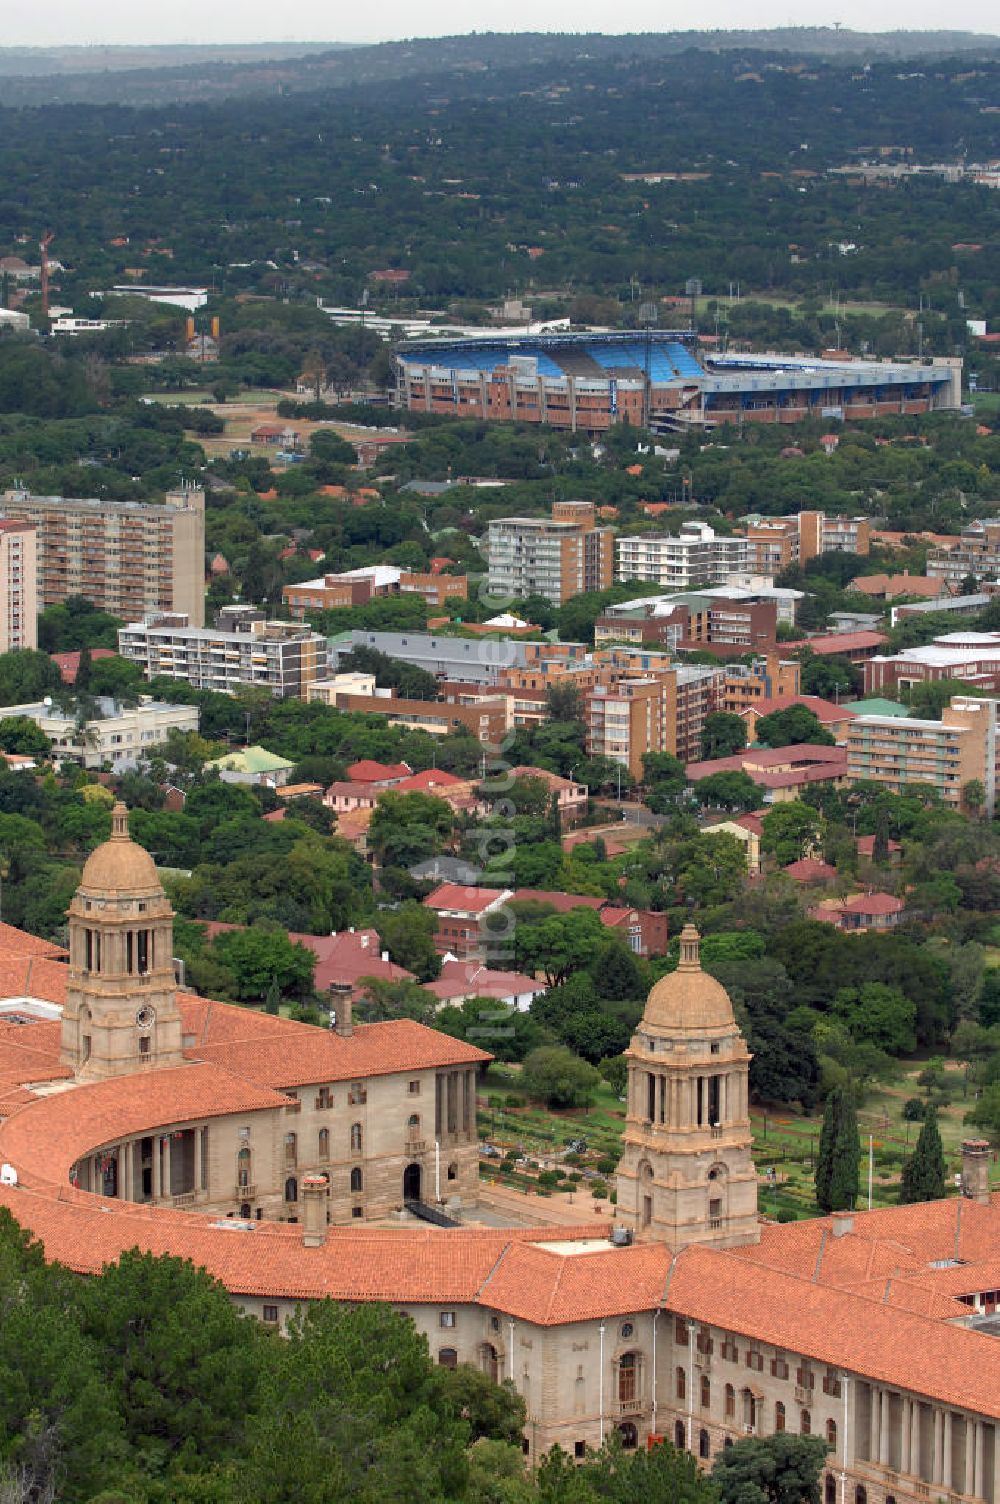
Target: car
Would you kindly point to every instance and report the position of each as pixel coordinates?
(489, 1151)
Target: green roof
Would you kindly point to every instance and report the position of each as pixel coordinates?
(252, 760)
(876, 707)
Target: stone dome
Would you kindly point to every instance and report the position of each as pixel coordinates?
(688, 1000)
(119, 867)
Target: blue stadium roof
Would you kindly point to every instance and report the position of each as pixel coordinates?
(615, 353)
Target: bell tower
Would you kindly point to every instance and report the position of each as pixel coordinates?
(686, 1174)
(121, 1011)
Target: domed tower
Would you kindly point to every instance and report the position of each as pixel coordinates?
(121, 1010)
(686, 1173)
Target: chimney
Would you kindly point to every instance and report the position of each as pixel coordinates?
(345, 1016)
(841, 1223)
(314, 1189)
(976, 1170)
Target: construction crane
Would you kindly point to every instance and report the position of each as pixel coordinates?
(43, 246)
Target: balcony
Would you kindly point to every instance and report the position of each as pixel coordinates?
(630, 1407)
(415, 1145)
(245, 1192)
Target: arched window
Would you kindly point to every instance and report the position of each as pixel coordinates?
(291, 1148)
(679, 1437)
(730, 1402)
(357, 1180)
(628, 1377)
(805, 1423)
(681, 1383)
(629, 1436)
(830, 1490)
(489, 1361)
(355, 1138)
(243, 1168)
(453, 1172)
(704, 1444)
(831, 1434)
(291, 1189)
(448, 1357)
(779, 1415)
(324, 1143)
(413, 1125)
(706, 1392)
(860, 1495)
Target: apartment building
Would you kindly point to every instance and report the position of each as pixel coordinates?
(698, 555)
(18, 586)
(117, 734)
(127, 557)
(975, 555)
(766, 678)
(774, 544)
(356, 587)
(662, 709)
(823, 534)
(243, 648)
(481, 660)
(949, 754)
(555, 557)
(485, 716)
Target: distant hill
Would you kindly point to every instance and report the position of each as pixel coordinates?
(159, 75)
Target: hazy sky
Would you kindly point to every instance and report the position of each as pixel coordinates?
(28, 22)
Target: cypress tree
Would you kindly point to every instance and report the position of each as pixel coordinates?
(923, 1171)
(82, 682)
(839, 1161)
(880, 846)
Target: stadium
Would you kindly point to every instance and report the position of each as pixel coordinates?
(588, 382)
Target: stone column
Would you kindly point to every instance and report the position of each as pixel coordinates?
(873, 1423)
(937, 1447)
(977, 1458)
(201, 1156)
(906, 1438)
(157, 1168)
(884, 1427)
(946, 1429)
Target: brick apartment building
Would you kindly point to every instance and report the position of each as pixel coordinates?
(738, 620)
(949, 754)
(972, 657)
(127, 557)
(356, 587)
(555, 557)
(474, 923)
(976, 554)
(18, 585)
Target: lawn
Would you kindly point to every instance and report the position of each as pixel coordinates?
(782, 1141)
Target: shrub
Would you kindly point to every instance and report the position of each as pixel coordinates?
(607, 1165)
(598, 1188)
(914, 1110)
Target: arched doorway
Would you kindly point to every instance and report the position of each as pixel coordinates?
(629, 1435)
(411, 1183)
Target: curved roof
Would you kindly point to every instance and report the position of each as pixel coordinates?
(119, 866)
(688, 1000)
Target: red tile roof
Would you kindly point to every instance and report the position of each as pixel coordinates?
(810, 870)
(21, 943)
(831, 643)
(430, 781)
(368, 771)
(825, 711)
(463, 899)
(866, 846)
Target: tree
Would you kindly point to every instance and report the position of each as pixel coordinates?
(779, 1469)
(563, 702)
(923, 1176)
(21, 735)
(790, 831)
(734, 791)
(722, 734)
(264, 956)
(553, 943)
(883, 1016)
(797, 724)
(408, 935)
(839, 1160)
(557, 1077)
(27, 676)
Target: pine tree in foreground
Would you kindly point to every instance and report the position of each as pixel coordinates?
(839, 1162)
(923, 1171)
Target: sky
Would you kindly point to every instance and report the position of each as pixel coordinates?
(55, 22)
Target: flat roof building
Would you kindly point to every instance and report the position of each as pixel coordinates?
(18, 585)
(280, 656)
(555, 557)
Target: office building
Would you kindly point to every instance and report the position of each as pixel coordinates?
(243, 648)
(126, 557)
(18, 586)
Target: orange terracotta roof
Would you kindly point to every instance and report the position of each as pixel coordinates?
(21, 943)
(548, 1288)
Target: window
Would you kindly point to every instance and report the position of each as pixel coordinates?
(453, 1172)
(779, 1416)
(413, 1087)
(779, 1368)
(489, 1361)
(831, 1434)
(830, 1490)
(448, 1357)
(627, 1372)
(413, 1125)
(447, 1318)
(291, 1189)
(831, 1384)
(681, 1384)
(243, 1168)
(755, 1359)
(730, 1402)
(704, 1342)
(706, 1393)
(324, 1143)
(355, 1138)
(357, 1211)
(805, 1423)
(681, 1332)
(271, 1313)
(144, 1044)
(357, 1094)
(579, 1450)
(805, 1378)
(730, 1351)
(627, 1330)
(704, 1444)
(291, 1148)
(860, 1495)
(357, 1180)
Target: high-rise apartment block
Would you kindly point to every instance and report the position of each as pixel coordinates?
(662, 710)
(555, 557)
(777, 543)
(243, 648)
(951, 754)
(18, 586)
(127, 557)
